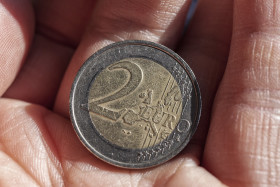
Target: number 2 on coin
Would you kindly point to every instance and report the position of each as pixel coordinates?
(135, 78)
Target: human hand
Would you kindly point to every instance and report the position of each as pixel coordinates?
(44, 43)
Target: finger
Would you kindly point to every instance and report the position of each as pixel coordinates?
(157, 21)
(205, 48)
(63, 21)
(243, 142)
(40, 77)
(16, 28)
(58, 30)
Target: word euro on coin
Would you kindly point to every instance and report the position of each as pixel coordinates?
(135, 104)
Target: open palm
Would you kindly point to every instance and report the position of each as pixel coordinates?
(232, 46)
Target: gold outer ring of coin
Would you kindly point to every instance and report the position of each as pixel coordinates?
(135, 104)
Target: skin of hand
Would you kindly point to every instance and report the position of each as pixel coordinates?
(232, 46)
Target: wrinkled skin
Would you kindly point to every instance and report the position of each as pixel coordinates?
(232, 46)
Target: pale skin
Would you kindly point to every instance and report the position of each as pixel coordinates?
(232, 46)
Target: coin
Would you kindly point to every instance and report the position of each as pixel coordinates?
(135, 104)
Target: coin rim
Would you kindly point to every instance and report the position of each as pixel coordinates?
(173, 55)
